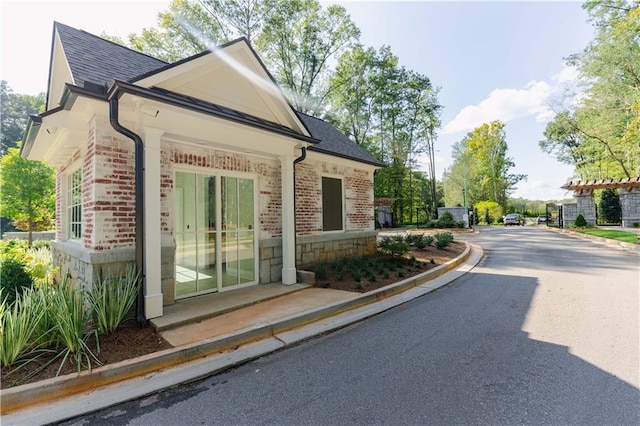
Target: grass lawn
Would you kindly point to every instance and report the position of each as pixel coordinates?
(612, 234)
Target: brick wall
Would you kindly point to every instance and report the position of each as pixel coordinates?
(267, 173)
(358, 196)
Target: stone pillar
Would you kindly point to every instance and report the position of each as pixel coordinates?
(152, 230)
(288, 221)
(630, 206)
(586, 206)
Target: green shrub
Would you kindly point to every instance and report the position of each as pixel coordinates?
(19, 324)
(14, 279)
(580, 221)
(71, 325)
(111, 299)
(39, 264)
(393, 245)
(321, 271)
(443, 239)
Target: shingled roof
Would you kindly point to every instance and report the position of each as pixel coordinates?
(334, 142)
(99, 61)
(96, 60)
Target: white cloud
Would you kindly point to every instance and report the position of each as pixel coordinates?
(543, 190)
(534, 99)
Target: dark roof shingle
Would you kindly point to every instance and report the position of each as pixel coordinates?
(96, 60)
(334, 142)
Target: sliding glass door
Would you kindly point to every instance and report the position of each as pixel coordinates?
(211, 254)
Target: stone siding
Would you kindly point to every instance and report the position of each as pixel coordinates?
(569, 214)
(630, 206)
(84, 267)
(586, 207)
(311, 250)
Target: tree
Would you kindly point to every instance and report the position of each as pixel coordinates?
(481, 167)
(16, 109)
(237, 18)
(298, 39)
(604, 127)
(609, 206)
(27, 190)
(184, 30)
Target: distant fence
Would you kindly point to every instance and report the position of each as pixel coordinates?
(45, 235)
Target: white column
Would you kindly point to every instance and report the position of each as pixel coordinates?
(288, 221)
(152, 230)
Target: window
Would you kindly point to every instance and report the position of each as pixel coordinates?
(74, 205)
(331, 204)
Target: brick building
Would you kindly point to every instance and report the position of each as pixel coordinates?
(200, 172)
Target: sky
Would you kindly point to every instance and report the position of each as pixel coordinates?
(501, 60)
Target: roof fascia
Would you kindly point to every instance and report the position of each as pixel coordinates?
(34, 124)
(375, 164)
(179, 101)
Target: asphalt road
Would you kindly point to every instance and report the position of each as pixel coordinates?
(545, 330)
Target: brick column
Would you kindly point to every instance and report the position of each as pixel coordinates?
(152, 229)
(288, 221)
(586, 206)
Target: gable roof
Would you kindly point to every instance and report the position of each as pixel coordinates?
(99, 61)
(96, 64)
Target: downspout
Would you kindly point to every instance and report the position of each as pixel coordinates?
(139, 188)
(295, 216)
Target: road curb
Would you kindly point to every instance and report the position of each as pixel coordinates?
(20, 404)
(633, 248)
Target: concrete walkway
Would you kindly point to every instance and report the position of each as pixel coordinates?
(210, 347)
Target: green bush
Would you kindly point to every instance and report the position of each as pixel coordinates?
(421, 243)
(393, 245)
(14, 279)
(443, 239)
(321, 271)
(111, 299)
(580, 222)
(19, 325)
(72, 329)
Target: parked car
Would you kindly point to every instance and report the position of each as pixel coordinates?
(513, 219)
(542, 220)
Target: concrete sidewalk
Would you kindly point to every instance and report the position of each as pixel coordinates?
(240, 337)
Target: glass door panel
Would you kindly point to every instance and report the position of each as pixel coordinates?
(198, 251)
(195, 234)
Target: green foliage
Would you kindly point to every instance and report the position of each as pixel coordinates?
(321, 271)
(14, 279)
(16, 109)
(27, 190)
(609, 206)
(421, 243)
(393, 245)
(19, 324)
(599, 135)
(490, 211)
(580, 221)
(481, 168)
(443, 239)
(111, 300)
(67, 313)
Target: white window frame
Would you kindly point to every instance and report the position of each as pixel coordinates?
(342, 203)
(73, 207)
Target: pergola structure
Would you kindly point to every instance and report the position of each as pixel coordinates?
(629, 197)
